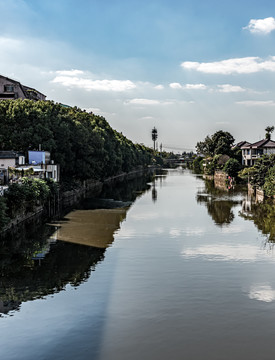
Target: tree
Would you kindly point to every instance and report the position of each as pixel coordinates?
(269, 130)
(82, 143)
(269, 185)
(232, 167)
(219, 143)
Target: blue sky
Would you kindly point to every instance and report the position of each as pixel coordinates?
(189, 68)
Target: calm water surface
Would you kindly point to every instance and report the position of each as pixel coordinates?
(174, 269)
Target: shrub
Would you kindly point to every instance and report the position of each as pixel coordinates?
(269, 185)
(232, 167)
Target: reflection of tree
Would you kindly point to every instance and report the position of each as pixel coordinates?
(219, 203)
(263, 215)
(127, 190)
(24, 279)
(33, 266)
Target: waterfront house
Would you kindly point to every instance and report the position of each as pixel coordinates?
(252, 152)
(9, 159)
(42, 164)
(12, 89)
(13, 166)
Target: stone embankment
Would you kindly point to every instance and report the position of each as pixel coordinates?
(221, 180)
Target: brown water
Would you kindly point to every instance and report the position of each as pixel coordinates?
(180, 270)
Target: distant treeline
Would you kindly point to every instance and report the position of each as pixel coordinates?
(82, 143)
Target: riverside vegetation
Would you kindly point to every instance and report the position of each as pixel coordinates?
(83, 144)
(219, 154)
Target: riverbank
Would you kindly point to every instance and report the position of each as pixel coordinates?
(66, 200)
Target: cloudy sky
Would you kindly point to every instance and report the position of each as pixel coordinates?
(187, 67)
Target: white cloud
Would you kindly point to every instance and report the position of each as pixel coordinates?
(256, 103)
(147, 118)
(246, 65)
(148, 102)
(175, 86)
(188, 86)
(143, 102)
(261, 26)
(70, 80)
(70, 72)
(195, 86)
(159, 87)
(227, 88)
(93, 110)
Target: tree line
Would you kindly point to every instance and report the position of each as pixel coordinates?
(84, 144)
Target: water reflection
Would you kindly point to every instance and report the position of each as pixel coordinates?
(220, 205)
(224, 252)
(154, 191)
(263, 293)
(35, 263)
(25, 277)
(262, 214)
(219, 202)
(91, 227)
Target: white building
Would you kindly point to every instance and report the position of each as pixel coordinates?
(252, 152)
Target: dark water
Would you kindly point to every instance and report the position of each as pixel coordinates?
(171, 269)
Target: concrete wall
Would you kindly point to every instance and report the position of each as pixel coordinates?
(221, 180)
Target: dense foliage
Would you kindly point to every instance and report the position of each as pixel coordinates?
(269, 185)
(23, 197)
(219, 143)
(232, 167)
(262, 174)
(82, 143)
(3, 213)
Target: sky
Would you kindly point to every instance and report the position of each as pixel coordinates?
(188, 68)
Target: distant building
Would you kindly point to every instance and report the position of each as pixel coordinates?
(12, 89)
(252, 152)
(42, 165)
(39, 157)
(11, 159)
(13, 166)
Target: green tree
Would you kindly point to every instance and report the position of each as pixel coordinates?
(219, 143)
(82, 143)
(269, 130)
(4, 219)
(232, 167)
(269, 184)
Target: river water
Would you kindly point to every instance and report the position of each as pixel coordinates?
(169, 268)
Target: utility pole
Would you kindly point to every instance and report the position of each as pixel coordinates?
(154, 136)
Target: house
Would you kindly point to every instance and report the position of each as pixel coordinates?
(12, 89)
(9, 159)
(252, 152)
(13, 166)
(42, 164)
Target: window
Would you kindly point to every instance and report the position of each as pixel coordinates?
(9, 88)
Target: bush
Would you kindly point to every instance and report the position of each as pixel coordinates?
(25, 196)
(232, 167)
(4, 219)
(269, 185)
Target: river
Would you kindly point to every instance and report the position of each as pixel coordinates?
(163, 268)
